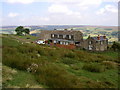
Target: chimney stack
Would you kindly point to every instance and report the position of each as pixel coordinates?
(104, 36)
(98, 37)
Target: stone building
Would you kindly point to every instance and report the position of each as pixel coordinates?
(66, 37)
(98, 43)
(73, 39)
(62, 36)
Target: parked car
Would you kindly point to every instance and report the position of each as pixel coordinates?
(40, 42)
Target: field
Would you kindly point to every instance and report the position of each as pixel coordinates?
(29, 65)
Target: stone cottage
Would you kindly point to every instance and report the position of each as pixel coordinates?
(98, 43)
(62, 38)
(66, 37)
(74, 38)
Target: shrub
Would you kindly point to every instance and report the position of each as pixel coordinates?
(92, 67)
(75, 67)
(55, 76)
(109, 64)
(42, 51)
(70, 55)
(68, 61)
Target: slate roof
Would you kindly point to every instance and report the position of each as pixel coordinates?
(67, 32)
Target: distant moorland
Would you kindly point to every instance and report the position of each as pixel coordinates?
(110, 31)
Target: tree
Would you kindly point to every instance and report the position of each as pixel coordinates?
(116, 46)
(27, 31)
(21, 30)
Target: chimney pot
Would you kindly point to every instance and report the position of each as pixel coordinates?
(104, 36)
(98, 37)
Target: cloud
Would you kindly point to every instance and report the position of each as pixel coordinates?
(57, 8)
(66, 12)
(106, 9)
(13, 14)
(20, 1)
(90, 2)
(35, 19)
(44, 19)
(62, 9)
(83, 2)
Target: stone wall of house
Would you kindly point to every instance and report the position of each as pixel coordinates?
(96, 45)
(45, 34)
(101, 47)
(86, 44)
(78, 36)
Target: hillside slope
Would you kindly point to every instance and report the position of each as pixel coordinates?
(58, 67)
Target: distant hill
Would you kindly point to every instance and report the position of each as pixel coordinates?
(110, 31)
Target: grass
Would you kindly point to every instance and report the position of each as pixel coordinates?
(57, 67)
(99, 77)
(93, 67)
(18, 79)
(30, 37)
(109, 53)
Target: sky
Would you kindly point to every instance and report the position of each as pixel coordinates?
(59, 12)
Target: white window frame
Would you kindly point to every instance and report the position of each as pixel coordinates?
(53, 35)
(90, 42)
(90, 47)
(69, 36)
(55, 41)
(66, 43)
(61, 42)
(64, 36)
(58, 36)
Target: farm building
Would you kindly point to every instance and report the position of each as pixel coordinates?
(61, 38)
(73, 38)
(98, 43)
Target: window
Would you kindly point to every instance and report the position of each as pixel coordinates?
(61, 43)
(58, 42)
(66, 43)
(55, 36)
(90, 47)
(61, 36)
(52, 35)
(69, 36)
(54, 41)
(90, 42)
(72, 37)
(101, 42)
(64, 36)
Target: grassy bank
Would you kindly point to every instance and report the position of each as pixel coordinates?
(58, 67)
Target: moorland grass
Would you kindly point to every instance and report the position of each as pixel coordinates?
(58, 67)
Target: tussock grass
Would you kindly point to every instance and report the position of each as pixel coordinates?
(93, 67)
(25, 56)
